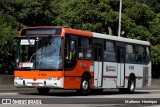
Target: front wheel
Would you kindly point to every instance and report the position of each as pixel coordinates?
(43, 91)
(84, 90)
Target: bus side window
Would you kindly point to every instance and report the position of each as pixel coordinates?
(84, 47)
(147, 55)
(109, 51)
(140, 54)
(130, 53)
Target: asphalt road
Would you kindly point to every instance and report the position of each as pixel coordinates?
(109, 98)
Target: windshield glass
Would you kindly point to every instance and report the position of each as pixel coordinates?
(40, 53)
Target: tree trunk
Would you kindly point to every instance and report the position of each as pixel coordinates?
(110, 30)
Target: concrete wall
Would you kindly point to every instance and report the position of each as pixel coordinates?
(6, 79)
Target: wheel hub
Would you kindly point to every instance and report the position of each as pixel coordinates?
(85, 85)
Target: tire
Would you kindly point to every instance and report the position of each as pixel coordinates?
(43, 91)
(85, 85)
(131, 85)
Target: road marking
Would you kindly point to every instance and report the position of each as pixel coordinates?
(14, 93)
(148, 90)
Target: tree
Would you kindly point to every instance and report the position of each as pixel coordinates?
(6, 35)
(156, 60)
(155, 30)
(15, 14)
(29, 12)
(139, 19)
(90, 15)
(154, 4)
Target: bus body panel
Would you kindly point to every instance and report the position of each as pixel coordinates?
(76, 32)
(149, 73)
(110, 75)
(137, 70)
(142, 73)
(98, 74)
(73, 76)
(120, 39)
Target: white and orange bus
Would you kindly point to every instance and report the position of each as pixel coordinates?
(61, 57)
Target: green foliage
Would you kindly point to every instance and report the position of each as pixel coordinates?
(156, 54)
(15, 14)
(154, 4)
(155, 30)
(140, 13)
(89, 15)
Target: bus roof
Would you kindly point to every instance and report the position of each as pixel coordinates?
(66, 29)
(121, 39)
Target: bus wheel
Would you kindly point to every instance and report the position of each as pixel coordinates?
(84, 85)
(43, 91)
(131, 85)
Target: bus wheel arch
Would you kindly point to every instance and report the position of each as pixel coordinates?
(131, 83)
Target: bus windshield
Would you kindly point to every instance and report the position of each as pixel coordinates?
(39, 53)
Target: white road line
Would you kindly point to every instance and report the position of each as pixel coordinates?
(148, 90)
(13, 93)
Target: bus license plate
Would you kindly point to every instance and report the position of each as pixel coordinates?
(35, 84)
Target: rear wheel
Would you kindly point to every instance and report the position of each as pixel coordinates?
(43, 91)
(131, 85)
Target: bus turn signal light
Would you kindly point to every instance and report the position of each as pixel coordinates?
(53, 78)
(18, 78)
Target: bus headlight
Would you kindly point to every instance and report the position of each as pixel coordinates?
(18, 78)
(52, 78)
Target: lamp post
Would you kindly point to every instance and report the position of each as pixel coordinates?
(120, 18)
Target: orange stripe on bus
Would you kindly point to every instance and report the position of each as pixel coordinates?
(39, 74)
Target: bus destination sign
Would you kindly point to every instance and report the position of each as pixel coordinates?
(41, 31)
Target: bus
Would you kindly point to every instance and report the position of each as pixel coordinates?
(60, 57)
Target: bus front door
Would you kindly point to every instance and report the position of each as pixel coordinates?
(98, 65)
(120, 66)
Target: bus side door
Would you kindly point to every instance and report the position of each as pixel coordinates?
(98, 65)
(120, 64)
